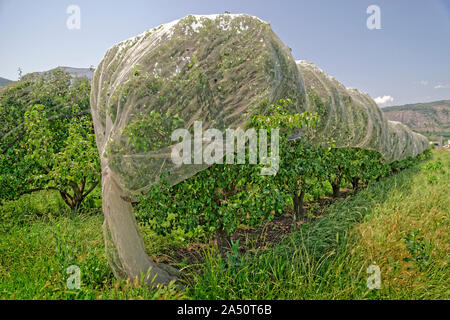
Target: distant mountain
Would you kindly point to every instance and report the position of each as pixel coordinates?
(79, 72)
(74, 72)
(4, 82)
(430, 119)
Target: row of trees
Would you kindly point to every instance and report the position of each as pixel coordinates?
(47, 143)
(225, 197)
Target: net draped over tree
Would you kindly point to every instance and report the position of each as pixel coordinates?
(352, 119)
(221, 70)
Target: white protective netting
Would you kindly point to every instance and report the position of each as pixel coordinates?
(221, 70)
(351, 118)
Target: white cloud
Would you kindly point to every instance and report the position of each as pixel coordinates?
(442, 86)
(384, 100)
(424, 82)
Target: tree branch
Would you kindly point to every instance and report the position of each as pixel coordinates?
(91, 188)
(66, 199)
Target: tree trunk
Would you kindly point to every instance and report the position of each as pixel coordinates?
(299, 212)
(124, 245)
(355, 183)
(335, 185)
(74, 202)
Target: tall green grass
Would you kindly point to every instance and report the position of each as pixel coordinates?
(400, 223)
(40, 238)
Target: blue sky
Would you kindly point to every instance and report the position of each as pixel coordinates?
(407, 60)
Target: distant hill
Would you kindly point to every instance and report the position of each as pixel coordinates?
(74, 72)
(430, 119)
(79, 72)
(4, 82)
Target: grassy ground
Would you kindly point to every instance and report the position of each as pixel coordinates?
(36, 250)
(400, 224)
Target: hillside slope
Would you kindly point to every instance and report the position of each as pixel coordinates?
(430, 119)
(73, 72)
(4, 82)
